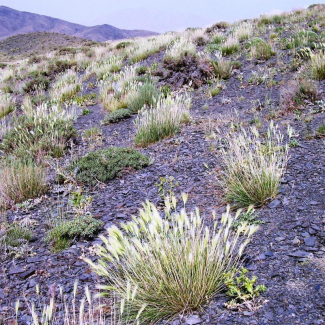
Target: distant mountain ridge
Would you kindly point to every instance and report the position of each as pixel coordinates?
(14, 22)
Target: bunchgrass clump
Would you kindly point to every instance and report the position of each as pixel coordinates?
(7, 104)
(171, 264)
(146, 95)
(104, 165)
(180, 49)
(163, 120)
(41, 131)
(21, 181)
(230, 46)
(318, 66)
(222, 68)
(243, 31)
(81, 227)
(261, 50)
(253, 166)
(16, 235)
(66, 87)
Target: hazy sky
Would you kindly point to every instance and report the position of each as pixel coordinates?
(155, 15)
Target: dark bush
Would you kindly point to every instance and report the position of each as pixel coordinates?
(104, 165)
(117, 116)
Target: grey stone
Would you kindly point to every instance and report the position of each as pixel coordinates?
(310, 241)
(194, 319)
(275, 203)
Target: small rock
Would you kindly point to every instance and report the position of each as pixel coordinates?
(278, 239)
(194, 319)
(310, 241)
(296, 241)
(299, 254)
(261, 257)
(275, 203)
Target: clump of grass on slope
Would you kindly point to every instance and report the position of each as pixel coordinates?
(163, 120)
(21, 181)
(253, 166)
(147, 94)
(41, 131)
(7, 104)
(318, 66)
(163, 266)
(104, 165)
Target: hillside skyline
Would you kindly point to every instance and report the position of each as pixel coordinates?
(159, 16)
(14, 22)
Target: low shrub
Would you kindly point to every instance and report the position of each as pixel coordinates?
(163, 120)
(141, 70)
(117, 116)
(81, 227)
(171, 265)
(122, 45)
(104, 165)
(38, 82)
(60, 66)
(21, 181)
(253, 166)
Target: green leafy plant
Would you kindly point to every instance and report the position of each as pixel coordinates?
(166, 186)
(164, 257)
(248, 217)
(85, 100)
(294, 143)
(241, 288)
(85, 111)
(104, 165)
(80, 202)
